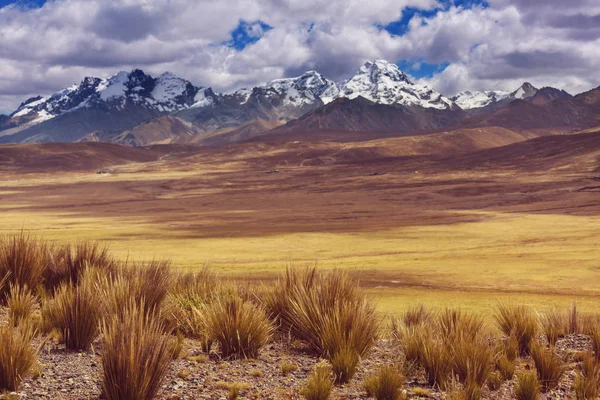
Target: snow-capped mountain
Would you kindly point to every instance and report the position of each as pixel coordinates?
(384, 83)
(469, 100)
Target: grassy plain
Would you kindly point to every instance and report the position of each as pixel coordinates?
(462, 238)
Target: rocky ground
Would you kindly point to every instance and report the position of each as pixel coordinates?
(194, 375)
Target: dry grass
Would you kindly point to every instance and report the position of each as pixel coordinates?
(527, 387)
(454, 323)
(505, 367)
(319, 383)
(519, 321)
(435, 359)
(21, 303)
(472, 361)
(416, 315)
(23, 260)
(412, 341)
(587, 379)
(17, 355)
(287, 367)
(327, 311)
(344, 364)
(550, 368)
(495, 381)
(555, 325)
(240, 328)
(75, 313)
(135, 356)
(385, 384)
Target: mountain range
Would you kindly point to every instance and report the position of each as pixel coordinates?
(134, 108)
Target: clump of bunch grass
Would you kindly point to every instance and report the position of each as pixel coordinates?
(23, 260)
(74, 313)
(417, 315)
(519, 321)
(554, 325)
(495, 380)
(505, 367)
(240, 328)
(17, 355)
(21, 303)
(587, 379)
(411, 339)
(528, 386)
(287, 367)
(136, 354)
(326, 311)
(319, 383)
(435, 359)
(550, 368)
(385, 384)
(68, 263)
(455, 323)
(472, 361)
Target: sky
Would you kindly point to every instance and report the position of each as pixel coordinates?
(451, 45)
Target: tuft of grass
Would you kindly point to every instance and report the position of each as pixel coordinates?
(575, 323)
(235, 389)
(472, 361)
(435, 359)
(550, 368)
(183, 374)
(527, 387)
(495, 380)
(554, 325)
(23, 261)
(18, 357)
(417, 315)
(587, 379)
(75, 313)
(319, 383)
(422, 392)
(256, 373)
(69, 262)
(412, 342)
(240, 328)
(327, 311)
(135, 356)
(385, 384)
(287, 367)
(505, 367)
(454, 323)
(511, 347)
(20, 304)
(344, 364)
(519, 321)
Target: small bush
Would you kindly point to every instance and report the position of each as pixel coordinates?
(548, 365)
(74, 313)
(519, 321)
(385, 384)
(319, 383)
(527, 387)
(135, 355)
(587, 379)
(23, 260)
(17, 355)
(554, 325)
(344, 364)
(20, 304)
(240, 328)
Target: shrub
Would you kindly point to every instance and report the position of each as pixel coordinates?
(240, 328)
(548, 364)
(319, 383)
(20, 304)
(23, 260)
(17, 355)
(519, 321)
(385, 384)
(554, 325)
(69, 262)
(135, 356)
(344, 364)
(471, 361)
(587, 380)
(456, 323)
(327, 311)
(527, 387)
(74, 313)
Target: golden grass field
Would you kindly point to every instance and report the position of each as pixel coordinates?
(435, 235)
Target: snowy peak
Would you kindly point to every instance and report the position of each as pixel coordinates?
(383, 82)
(526, 91)
(468, 100)
(309, 88)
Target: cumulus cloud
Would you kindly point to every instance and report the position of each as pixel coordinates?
(547, 42)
